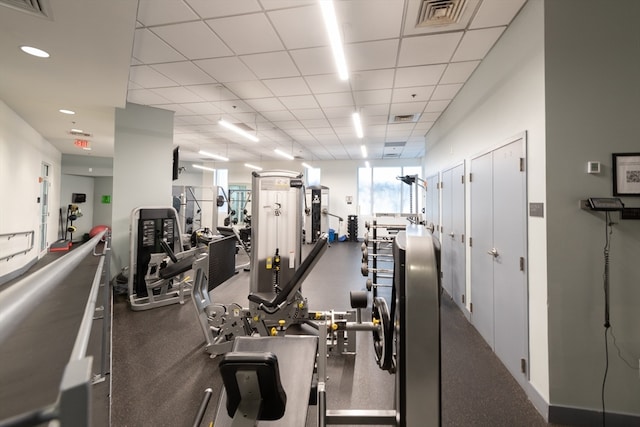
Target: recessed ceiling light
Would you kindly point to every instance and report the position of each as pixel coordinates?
(204, 168)
(34, 51)
(63, 111)
(77, 130)
(214, 156)
(250, 166)
(283, 154)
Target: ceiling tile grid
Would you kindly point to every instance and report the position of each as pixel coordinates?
(267, 64)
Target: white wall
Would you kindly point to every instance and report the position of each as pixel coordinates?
(103, 186)
(22, 151)
(503, 98)
(593, 110)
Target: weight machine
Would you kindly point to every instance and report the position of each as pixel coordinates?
(158, 260)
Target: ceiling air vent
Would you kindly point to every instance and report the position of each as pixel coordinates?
(387, 155)
(76, 133)
(34, 7)
(439, 12)
(395, 144)
(404, 118)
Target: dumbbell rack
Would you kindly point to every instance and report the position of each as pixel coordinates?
(376, 241)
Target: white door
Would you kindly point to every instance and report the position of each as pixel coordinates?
(458, 244)
(44, 206)
(498, 254)
(447, 231)
(432, 207)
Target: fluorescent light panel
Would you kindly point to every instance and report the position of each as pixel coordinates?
(214, 156)
(204, 168)
(306, 165)
(357, 124)
(250, 166)
(63, 111)
(363, 148)
(237, 130)
(331, 23)
(283, 154)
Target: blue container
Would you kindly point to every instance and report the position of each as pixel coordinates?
(332, 235)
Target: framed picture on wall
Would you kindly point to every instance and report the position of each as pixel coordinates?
(626, 174)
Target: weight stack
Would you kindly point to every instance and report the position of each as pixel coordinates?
(352, 228)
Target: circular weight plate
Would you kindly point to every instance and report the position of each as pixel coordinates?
(364, 269)
(359, 299)
(369, 284)
(382, 337)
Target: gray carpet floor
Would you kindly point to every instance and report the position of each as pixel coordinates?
(160, 370)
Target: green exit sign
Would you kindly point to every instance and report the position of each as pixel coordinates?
(106, 200)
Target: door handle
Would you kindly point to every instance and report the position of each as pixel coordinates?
(493, 252)
(451, 235)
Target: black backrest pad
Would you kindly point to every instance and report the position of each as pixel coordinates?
(265, 364)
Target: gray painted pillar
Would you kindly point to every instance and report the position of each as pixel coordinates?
(142, 170)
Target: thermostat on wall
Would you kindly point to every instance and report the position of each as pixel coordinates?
(593, 167)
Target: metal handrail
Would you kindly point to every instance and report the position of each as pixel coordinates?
(19, 300)
(18, 233)
(72, 407)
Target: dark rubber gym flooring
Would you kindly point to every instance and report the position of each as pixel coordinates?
(160, 371)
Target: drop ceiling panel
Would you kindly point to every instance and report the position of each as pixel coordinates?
(328, 100)
(246, 34)
(370, 20)
(371, 55)
(145, 97)
(443, 92)
(300, 27)
(249, 89)
(271, 65)
(195, 40)
(315, 123)
(432, 49)
(475, 44)
(266, 104)
(150, 49)
(213, 92)
(312, 61)
(428, 75)
(213, 9)
(226, 69)
(459, 72)
(411, 94)
(184, 73)
(375, 110)
(375, 79)
(372, 97)
(174, 11)
(179, 95)
(326, 83)
(288, 124)
(202, 108)
(299, 102)
(278, 116)
(405, 108)
(146, 77)
(493, 13)
(308, 113)
(343, 112)
(288, 86)
(436, 106)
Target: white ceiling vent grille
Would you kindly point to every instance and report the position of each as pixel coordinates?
(395, 144)
(404, 118)
(77, 133)
(34, 7)
(439, 12)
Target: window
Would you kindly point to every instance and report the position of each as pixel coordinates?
(380, 192)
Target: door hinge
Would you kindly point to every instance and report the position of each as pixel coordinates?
(521, 263)
(471, 307)
(523, 366)
(462, 238)
(470, 241)
(461, 179)
(470, 177)
(441, 185)
(463, 298)
(441, 229)
(521, 164)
